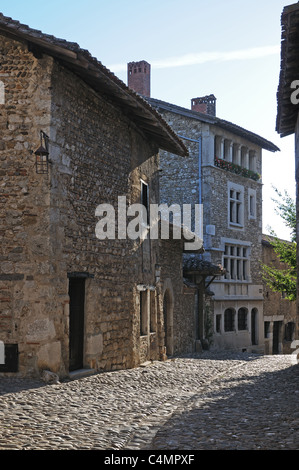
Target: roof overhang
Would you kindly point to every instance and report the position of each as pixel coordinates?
(214, 120)
(287, 112)
(102, 80)
(196, 265)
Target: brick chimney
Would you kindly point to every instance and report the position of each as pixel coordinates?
(139, 77)
(205, 104)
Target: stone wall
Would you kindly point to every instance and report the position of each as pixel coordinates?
(215, 189)
(24, 203)
(48, 220)
(181, 300)
(196, 179)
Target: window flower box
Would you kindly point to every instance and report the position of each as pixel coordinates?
(237, 169)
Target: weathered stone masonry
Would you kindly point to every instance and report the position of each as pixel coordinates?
(197, 179)
(99, 148)
(223, 174)
(25, 217)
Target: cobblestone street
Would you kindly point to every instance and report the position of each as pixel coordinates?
(210, 401)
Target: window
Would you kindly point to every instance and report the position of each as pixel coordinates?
(227, 150)
(143, 313)
(236, 158)
(145, 199)
(242, 319)
(252, 160)
(235, 205)
(148, 311)
(244, 157)
(289, 331)
(236, 262)
(153, 312)
(251, 204)
(229, 320)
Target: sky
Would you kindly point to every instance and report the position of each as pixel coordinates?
(230, 48)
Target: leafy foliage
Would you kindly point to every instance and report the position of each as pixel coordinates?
(283, 280)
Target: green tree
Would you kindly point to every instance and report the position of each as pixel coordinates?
(283, 280)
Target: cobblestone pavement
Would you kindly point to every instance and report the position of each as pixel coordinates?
(209, 401)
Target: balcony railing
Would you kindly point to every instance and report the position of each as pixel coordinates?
(237, 169)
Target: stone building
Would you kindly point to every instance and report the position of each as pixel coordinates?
(279, 312)
(74, 138)
(287, 122)
(223, 174)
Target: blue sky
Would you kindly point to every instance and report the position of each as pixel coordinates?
(230, 48)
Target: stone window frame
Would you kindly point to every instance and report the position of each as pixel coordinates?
(235, 151)
(230, 321)
(147, 310)
(237, 257)
(235, 205)
(229, 317)
(145, 199)
(235, 261)
(242, 319)
(252, 162)
(252, 209)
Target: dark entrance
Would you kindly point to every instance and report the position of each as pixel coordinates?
(76, 331)
(11, 357)
(253, 326)
(276, 335)
(165, 316)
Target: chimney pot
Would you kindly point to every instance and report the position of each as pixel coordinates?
(205, 104)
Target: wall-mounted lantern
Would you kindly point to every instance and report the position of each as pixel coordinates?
(42, 154)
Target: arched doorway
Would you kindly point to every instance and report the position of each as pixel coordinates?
(168, 320)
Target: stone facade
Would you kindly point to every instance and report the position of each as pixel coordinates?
(68, 299)
(180, 183)
(179, 301)
(279, 312)
(223, 174)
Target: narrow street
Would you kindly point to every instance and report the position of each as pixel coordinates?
(209, 401)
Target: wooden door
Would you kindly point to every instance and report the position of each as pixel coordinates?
(276, 337)
(76, 328)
